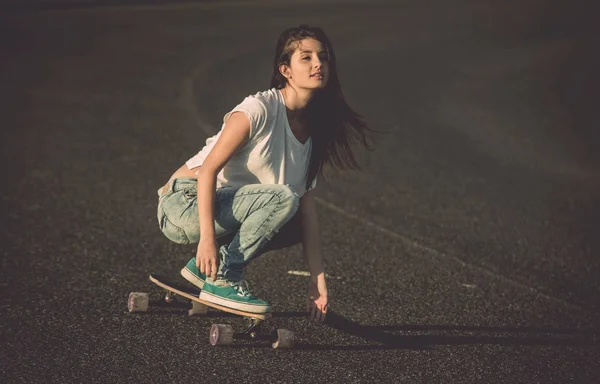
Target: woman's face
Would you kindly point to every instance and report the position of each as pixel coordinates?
(309, 65)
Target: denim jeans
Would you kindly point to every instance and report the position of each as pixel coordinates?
(249, 221)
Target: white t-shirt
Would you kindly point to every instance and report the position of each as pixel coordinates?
(272, 155)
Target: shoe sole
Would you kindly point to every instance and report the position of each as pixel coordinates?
(192, 278)
(252, 308)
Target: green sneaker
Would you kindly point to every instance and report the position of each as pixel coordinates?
(234, 295)
(192, 274)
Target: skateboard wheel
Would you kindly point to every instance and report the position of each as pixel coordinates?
(138, 302)
(198, 309)
(221, 334)
(285, 339)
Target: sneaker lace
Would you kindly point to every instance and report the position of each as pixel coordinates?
(242, 288)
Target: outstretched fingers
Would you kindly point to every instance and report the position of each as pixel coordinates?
(317, 311)
(321, 313)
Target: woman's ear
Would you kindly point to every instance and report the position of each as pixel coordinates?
(285, 71)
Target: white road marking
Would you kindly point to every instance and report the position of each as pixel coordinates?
(307, 274)
(299, 273)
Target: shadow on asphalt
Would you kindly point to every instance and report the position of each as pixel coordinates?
(386, 340)
(387, 337)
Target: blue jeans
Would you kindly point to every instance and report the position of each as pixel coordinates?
(249, 221)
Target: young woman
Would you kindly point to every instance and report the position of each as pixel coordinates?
(251, 188)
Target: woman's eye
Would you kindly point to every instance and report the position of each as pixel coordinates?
(324, 58)
(306, 58)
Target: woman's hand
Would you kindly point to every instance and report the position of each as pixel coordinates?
(317, 300)
(206, 257)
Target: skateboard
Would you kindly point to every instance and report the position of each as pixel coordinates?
(220, 334)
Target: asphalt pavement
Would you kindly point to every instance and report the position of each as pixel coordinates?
(465, 252)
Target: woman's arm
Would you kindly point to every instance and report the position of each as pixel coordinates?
(317, 290)
(235, 133)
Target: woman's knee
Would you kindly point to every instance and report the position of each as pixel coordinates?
(178, 217)
(288, 199)
(173, 232)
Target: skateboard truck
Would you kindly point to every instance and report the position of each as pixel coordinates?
(170, 297)
(222, 334)
(251, 330)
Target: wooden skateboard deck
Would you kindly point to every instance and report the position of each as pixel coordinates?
(192, 293)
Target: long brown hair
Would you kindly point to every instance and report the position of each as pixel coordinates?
(334, 127)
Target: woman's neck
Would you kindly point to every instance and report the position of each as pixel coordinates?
(296, 100)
